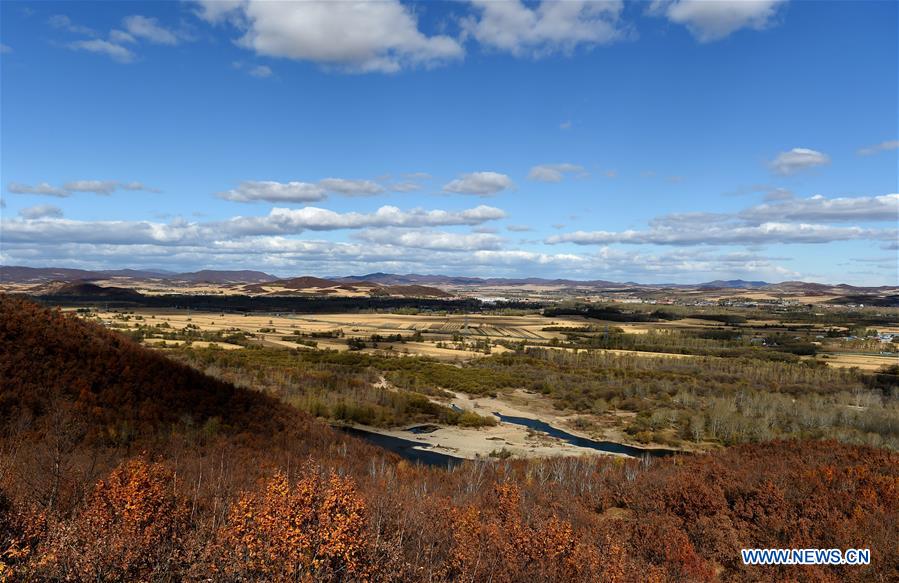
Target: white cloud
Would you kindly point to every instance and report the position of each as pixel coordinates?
(5, 49)
(726, 234)
(565, 125)
(41, 211)
(818, 208)
(271, 191)
(120, 36)
(352, 35)
(351, 187)
(554, 172)
(294, 256)
(100, 46)
(711, 20)
(42, 188)
(95, 186)
(433, 240)
(136, 186)
(798, 159)
(261, 71)
(404, 186)
(217, 11)
(279, 222)
(791, 221)
(479, 183)
(63, 22)
(149, 29)
(881, 147)
(136, 27)
(549, 27)
(519, 228)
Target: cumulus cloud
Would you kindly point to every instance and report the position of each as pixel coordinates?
(433, 240)
(554, 172)
(293, 256)
(299, 192)
(41, 211)
(818, 208)
(96, 186)
(728, 234)
(351, 35)
(881, 147)
(351, 187)
(549, 27)
(798, 159)
(136, 28)
(63, 22)
(41, 188)
(792, 221)
(279, 221)
(271, 191)
(479, 183)
(712, 20)
(99, 46)
(149, 29)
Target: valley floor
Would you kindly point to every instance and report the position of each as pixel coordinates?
(504, 439)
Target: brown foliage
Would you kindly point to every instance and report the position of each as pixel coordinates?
(495, 543)
(313, 530)
(131, 528)
(121, 389)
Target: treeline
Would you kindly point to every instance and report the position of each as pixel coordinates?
(289, 304)
(725, 343)
(338, 386)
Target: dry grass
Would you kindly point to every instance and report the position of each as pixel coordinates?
(867, 362)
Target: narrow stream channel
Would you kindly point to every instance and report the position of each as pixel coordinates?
(604, 446)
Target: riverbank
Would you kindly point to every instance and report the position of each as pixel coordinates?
(549, 433)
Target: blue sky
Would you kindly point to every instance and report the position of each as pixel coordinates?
(672, 141)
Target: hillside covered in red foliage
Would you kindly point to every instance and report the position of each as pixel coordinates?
(119, 465)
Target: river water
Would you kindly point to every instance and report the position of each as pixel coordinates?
(604, 446)
(414, 451)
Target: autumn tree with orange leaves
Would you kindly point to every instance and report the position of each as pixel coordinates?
(312, 530)
(132, 528)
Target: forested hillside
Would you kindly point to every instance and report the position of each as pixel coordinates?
(117, 464)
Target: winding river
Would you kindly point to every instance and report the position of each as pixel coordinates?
(604, 446)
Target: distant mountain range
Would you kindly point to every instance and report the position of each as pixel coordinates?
(385, 281)
(18, 274)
